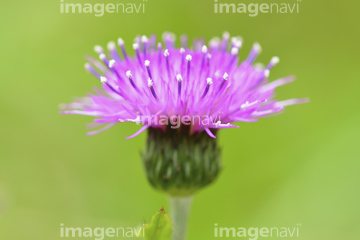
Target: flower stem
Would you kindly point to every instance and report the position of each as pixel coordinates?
(179, 213)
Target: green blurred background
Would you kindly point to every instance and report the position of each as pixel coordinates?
(298, 167)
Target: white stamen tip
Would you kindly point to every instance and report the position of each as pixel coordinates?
(267, 73)
(236, 41)
(128, 74)
(225, 76)
(159, 45)
(204, 49)
(103, 79)
(169, 36)
(111, 45)
(234, 51)
(144, 39)
(102, 57)
(208, 56)
(98, 49)
(259, 66)
(209, 81)
(217, 73)
(257, 47)
(226, 35)
(188, 57)
(87, 65)
(214, 42)
(179, 78)
(112, 63)
(182, 50)
(147, 63)
(135, 46)
(248, 104)
(120, 41)
(275, 60)
(150, 82)
(166, 53)
(218, 123)
(245, 104)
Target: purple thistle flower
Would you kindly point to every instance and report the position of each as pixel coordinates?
(209, 86)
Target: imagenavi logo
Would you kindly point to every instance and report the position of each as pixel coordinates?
(254, 9)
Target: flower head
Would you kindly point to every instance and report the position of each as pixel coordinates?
(204, 87)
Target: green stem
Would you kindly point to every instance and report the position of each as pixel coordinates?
(179, 214)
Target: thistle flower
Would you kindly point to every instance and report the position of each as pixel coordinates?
(204, 87)
(182, 96)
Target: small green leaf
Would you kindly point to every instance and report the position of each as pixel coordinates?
(159, 227)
